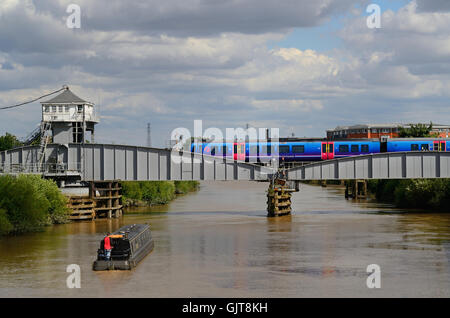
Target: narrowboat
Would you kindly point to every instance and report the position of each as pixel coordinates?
(129, 245)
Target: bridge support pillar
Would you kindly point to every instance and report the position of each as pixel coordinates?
(279, 198)
(356, 189)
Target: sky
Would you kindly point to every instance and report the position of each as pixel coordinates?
(298, 65)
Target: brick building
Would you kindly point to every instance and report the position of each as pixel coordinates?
(378, 130)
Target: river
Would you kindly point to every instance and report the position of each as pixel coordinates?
(218, 242)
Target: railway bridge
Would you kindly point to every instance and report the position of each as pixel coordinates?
(100, 162)
(104, 165)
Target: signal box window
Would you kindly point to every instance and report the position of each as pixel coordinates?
(355, 148)
(298, 149)
(343, 148)
(365, 148)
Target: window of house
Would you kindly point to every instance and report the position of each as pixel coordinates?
(80, 108)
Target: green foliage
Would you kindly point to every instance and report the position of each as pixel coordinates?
(5, 226)
(28, 203)
(182, 187)
(9, 141)
(415, 193)
(132, 190)
(156, 192)
(416, 130)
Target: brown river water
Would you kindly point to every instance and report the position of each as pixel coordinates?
(218, 242)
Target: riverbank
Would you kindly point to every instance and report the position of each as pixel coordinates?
(423, 194)
(415, 193)
(148, 193)
(28, 203)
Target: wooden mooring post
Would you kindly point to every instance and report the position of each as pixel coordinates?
(279, 198)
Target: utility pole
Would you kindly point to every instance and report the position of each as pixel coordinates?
(149, 135)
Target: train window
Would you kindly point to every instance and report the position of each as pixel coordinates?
(355, 148)
(324, 148)
(284, 149)
(343, 148)
(263, 150)
(364, 148)
(298, 149)
(253, 150)
(235, 148)
(424, 147)
(213, 151)
(414, 147)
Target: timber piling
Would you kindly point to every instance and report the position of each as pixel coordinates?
(104, 201)
(279, 198)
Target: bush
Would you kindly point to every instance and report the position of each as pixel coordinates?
(132, 190)
(182, 187)
(156, 192)
(5, 226)
(414, 193)
(29, 202)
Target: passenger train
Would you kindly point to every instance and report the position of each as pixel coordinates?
(291, 151)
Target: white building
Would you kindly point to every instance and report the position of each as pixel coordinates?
(70, 117)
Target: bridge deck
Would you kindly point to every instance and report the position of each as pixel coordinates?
(100, 162)
(119, 162)
(399, 165)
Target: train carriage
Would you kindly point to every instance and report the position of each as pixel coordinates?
(295, 151)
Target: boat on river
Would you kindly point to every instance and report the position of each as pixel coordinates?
(129, 245)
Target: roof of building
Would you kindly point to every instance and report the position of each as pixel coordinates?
(392, 125)
(65, 97)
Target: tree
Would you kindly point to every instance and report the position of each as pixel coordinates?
(416, 130)
(9, 141)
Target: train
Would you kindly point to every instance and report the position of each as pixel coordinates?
(316, 150)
